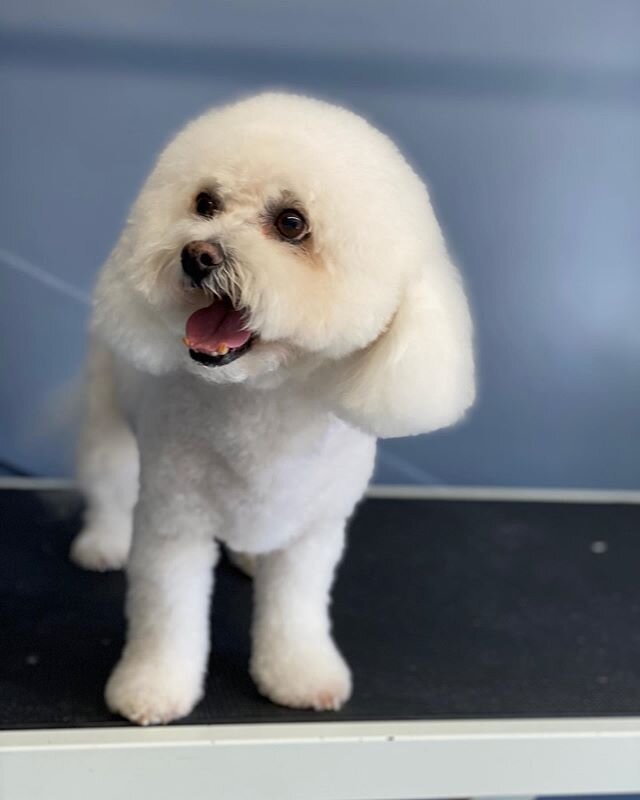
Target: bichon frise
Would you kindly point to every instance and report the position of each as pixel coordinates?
(281, 296)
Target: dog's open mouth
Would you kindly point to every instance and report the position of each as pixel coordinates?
(216, 335)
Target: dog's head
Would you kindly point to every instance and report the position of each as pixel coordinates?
(281, 236)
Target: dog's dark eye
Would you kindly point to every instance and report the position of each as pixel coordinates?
(206, 205)
(291, 225)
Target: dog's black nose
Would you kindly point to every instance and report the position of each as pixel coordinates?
(199, 259)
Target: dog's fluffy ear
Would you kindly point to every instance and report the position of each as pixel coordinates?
(419, 373)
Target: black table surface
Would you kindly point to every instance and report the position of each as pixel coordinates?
(445, 610)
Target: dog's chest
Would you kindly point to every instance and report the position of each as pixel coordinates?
(268, 462)
(271, 466)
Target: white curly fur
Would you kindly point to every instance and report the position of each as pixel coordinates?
(363, 331)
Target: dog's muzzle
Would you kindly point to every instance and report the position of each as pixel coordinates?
(218, 334)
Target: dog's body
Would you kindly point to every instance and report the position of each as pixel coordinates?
(263, 438)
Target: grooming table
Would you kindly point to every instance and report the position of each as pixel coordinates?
(495, 647)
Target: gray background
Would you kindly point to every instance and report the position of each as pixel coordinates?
(523, 116)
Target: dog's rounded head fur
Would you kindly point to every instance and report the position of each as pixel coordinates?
(363, 295)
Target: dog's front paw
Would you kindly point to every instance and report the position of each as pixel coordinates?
(314, 677)
(152, 692)
(101, 548)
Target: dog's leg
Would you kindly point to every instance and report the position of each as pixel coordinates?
(160, 675)
(107, 472)
(294, 660)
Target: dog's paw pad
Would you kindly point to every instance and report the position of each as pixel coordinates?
(330, 700)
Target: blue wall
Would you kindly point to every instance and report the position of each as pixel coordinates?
(524, 117)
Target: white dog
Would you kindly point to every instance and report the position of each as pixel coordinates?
(280, 296)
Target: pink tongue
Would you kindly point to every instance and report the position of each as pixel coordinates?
(216, 325)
